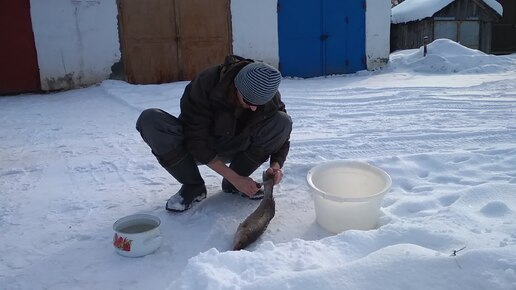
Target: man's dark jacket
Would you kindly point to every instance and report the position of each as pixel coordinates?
(207, 110)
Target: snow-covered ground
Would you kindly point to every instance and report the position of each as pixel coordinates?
(443, 127)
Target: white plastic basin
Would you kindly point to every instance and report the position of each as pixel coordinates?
(348, 194)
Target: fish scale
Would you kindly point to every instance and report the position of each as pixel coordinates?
(255, 224)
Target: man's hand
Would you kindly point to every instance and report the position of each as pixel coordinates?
(245, 185)
(276, 171)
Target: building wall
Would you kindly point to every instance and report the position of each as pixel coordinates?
(255, 30)
(411, 35)
(378, 21)
(76, 41)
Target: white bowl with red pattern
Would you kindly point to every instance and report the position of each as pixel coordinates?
(137, 235)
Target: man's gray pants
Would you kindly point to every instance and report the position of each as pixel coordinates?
(164, 135)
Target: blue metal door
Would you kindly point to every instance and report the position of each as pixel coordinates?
(344, 25)
(299, 30)
(321, 37)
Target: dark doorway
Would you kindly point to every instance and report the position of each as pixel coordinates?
(19, 72)
(504, 32)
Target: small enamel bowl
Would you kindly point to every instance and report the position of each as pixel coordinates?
(137, 235)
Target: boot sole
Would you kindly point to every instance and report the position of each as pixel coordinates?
(257, 196)
(196, 200)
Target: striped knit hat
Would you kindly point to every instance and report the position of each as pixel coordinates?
(258, 82)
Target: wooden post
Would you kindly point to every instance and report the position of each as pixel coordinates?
(425, 42)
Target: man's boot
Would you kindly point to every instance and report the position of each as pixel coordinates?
(192, 190)
(244, 166)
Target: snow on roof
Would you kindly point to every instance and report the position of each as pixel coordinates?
(412, 10)
(495, 6)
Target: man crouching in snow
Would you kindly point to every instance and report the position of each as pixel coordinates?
(229, 112)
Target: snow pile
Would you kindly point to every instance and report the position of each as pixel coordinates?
(445, 56)
(425, 243)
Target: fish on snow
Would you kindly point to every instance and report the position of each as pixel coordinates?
(255, 224)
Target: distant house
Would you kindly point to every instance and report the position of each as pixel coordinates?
(504, 32)
(468, 22)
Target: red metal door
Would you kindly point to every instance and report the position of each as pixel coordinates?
(19, 71)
